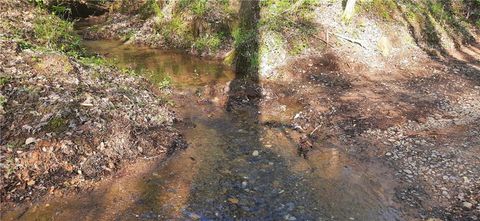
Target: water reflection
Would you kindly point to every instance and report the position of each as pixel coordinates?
(160, 65)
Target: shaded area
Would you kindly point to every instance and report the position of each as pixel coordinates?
(425, 22)
(77, 9)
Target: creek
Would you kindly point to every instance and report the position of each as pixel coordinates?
(235, 168)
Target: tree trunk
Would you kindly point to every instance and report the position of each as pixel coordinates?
(349, 10)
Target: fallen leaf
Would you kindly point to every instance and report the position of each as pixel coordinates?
(233, 200)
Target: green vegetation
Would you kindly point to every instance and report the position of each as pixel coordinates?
(3, 100)
(165, 83)
(198, 7)
(55, 33)
(149, 9)
(57, 124)
(384, 9)
(4, 80)
(246, 48)
(211, 43)
(285, 15)
(96, 61)
(291, 18)
(201, 8)
(176, 32)
(128, 36)
(430, 21)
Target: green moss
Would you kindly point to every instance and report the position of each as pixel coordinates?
(229, 58)
(57, 124)
(383, 9)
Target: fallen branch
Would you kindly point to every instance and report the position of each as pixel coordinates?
(324, 41)
(316, 128)
(351, 40)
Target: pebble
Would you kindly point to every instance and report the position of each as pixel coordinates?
(255, 153)
(467, 205)
(30, 140)
(445, 193)
(244, 184)
(289, 217)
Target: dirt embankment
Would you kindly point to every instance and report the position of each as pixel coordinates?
(402, 96)
(66, 122)
(199, 27)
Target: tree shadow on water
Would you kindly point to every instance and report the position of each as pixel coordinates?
(246, 180)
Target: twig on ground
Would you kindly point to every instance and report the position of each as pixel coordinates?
(356, 41)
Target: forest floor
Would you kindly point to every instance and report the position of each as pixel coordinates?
(66, 123)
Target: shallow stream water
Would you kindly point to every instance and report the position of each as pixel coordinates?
(235, 168)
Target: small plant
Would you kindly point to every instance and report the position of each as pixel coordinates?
(61, 11)
(96, 61)
(198, 7)
(55, 33)
(57, 124)
(129, 36)
(208, 43)
(3, 100)
(4, 80)
(165, 83)
(129, 71)
(384, 9)
(149, 9)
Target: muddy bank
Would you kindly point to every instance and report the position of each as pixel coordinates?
(68, 122)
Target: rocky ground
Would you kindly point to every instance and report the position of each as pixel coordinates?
(421, 122)
(66, 122)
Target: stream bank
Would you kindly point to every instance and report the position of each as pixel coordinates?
(397, 134)
(236, 166)
(67, 122)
